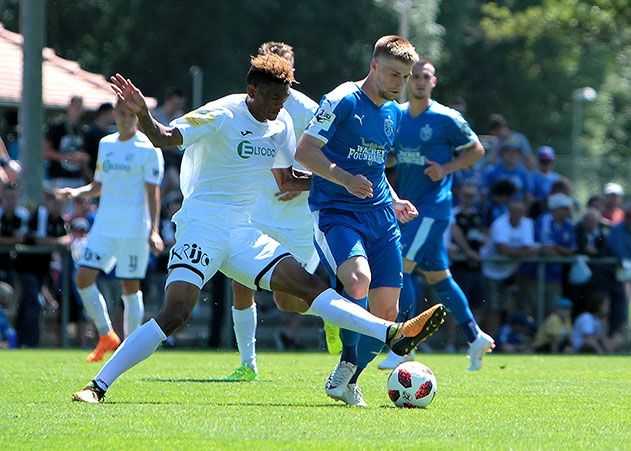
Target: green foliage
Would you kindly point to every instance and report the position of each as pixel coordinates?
(170, 402)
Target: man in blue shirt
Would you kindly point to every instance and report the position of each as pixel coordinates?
(424, 147)
(355, 211)
(619, 244)
(509, 168)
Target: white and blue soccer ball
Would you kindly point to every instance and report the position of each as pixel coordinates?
(411, 385)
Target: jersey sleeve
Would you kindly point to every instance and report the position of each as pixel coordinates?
(327, 118)
(197, 124)
(287, 146)
(98, 172)
(153, 169)
(461, 136)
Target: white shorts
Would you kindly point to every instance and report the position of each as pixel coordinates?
(299, 242)
(130, 255)
(228, 243)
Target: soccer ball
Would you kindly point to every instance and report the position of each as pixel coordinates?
(411, 385)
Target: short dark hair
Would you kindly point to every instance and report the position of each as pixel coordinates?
(497, 121)
(173, 91)
(278, 48)
(397, 47)
(270, 68)
(503, 187)
(104, 108)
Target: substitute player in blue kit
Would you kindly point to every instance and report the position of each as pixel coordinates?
(355, 210)
(424, 148)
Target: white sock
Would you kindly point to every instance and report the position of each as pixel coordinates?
(134, 312)
(244, 323)
(94, 304)
(334, 308)
(137, 347)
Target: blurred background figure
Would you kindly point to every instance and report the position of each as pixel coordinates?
(555, 333)
(10, 170)
(544, 176)
(613, 194)
(101, 126)
(498, 126)
(516, 335)
(590, 328)
(8, 336)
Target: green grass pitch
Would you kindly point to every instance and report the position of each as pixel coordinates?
(170, 401)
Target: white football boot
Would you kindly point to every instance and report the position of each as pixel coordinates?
(338, 380)
(392, 360)
(481, 345)
(353, 396)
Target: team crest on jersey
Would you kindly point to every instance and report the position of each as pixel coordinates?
(426, 132)
(388, 126)
(129, 157)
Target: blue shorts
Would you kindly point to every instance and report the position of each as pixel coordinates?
(374, 234)
(423, 241)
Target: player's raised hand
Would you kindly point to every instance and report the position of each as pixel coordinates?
(359, 186)
(404, 210)
(435, 171)
(129, 94)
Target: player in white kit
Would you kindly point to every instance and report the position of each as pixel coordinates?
(231, 145)
(284, 216)
(127, 178)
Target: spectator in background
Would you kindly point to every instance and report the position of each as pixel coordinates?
(170, 109)
(554, 231)
(510, 168)
(590, 329)
(13, 227)
(545, 176)
(8, 336)
(612, 199)
(511, 235)
(45, 226)
(83, 208)
(64, 148)
(555, 334)
(10, 170)
(102, 125)
(498, 126)
(516, 335)
(619, 244)
(598, 202)
(501, 193)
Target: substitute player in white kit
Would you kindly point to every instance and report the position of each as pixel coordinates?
(231, 144)
(127, 178)
(285, 216)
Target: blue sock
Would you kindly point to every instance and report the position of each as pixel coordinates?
(456, 303)
(350, 338)
(368, 349)
(407, 299)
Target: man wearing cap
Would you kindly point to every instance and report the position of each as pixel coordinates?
(544, 177)
(555, 334)
(613, 193)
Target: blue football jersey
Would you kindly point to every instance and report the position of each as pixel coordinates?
(357, 136)
(432, 135)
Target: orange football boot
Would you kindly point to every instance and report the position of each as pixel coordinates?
(106, 343)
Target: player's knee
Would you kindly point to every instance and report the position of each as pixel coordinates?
(358, 286)
(83, 280)
(434, 277)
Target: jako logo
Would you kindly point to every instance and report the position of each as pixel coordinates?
(245, 149)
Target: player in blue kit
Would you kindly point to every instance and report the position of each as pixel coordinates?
(424, 148)
(355, 210)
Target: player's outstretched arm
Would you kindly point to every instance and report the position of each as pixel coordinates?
(159, 135)
(90, 190)
(309, 154)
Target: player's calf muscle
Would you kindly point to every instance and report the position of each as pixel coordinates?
(179, 302)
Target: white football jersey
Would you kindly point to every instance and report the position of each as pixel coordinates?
(123, 168)
(229, 153)
(293, 214)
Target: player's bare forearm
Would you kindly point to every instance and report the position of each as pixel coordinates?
(288, 179)
(159, 135)
(86, 191)
(467, 157)
(153, 202)
(308, 153)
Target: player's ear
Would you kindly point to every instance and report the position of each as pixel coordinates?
(373, 64)
(251, 90)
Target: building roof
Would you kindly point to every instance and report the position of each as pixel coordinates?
(61, 78)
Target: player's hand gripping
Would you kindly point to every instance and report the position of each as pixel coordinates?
(435, 171)
(129, 94)
(359, 186)
(404, 210)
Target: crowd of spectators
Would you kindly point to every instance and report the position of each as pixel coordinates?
(511, 206)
